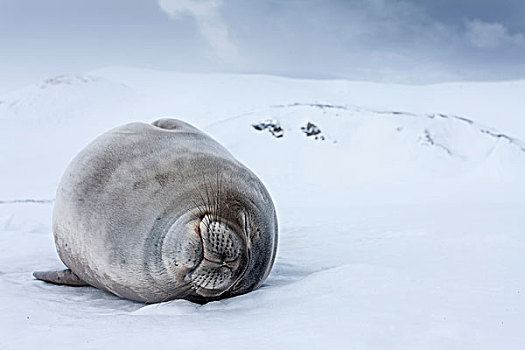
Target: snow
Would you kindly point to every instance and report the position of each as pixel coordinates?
(401, 228)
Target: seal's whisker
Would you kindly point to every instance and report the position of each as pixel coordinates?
(218, 197)
(201, 209)
(205, 207)
(206, 188)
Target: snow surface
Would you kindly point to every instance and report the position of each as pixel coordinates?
(401, 225)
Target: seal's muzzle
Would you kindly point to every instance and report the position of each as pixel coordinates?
(224, 255)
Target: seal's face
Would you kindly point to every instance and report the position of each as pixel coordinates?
(210, 249)
(224, 259)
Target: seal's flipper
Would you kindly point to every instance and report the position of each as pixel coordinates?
(174, 125)
(66, 277)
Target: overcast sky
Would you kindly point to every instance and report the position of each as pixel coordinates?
(400, 41)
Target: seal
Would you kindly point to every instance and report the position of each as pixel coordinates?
(161, 211)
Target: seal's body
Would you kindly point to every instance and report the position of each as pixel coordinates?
(159, 212)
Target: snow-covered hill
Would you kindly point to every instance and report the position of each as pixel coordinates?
(64, 99)
(400, 211)
(45, 125)
(322, 144)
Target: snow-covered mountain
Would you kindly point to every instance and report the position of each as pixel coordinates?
(63, 99)
(351, 143)
(362, 143)
(400, 211)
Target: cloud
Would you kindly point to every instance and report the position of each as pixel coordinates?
(486, 35)
(210, 22)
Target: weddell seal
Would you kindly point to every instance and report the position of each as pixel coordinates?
(160, 212)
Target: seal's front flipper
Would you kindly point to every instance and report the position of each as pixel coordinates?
(66, 277)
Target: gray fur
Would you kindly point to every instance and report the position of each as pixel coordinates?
(159, 212)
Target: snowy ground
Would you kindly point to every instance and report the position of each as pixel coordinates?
(397, 230)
